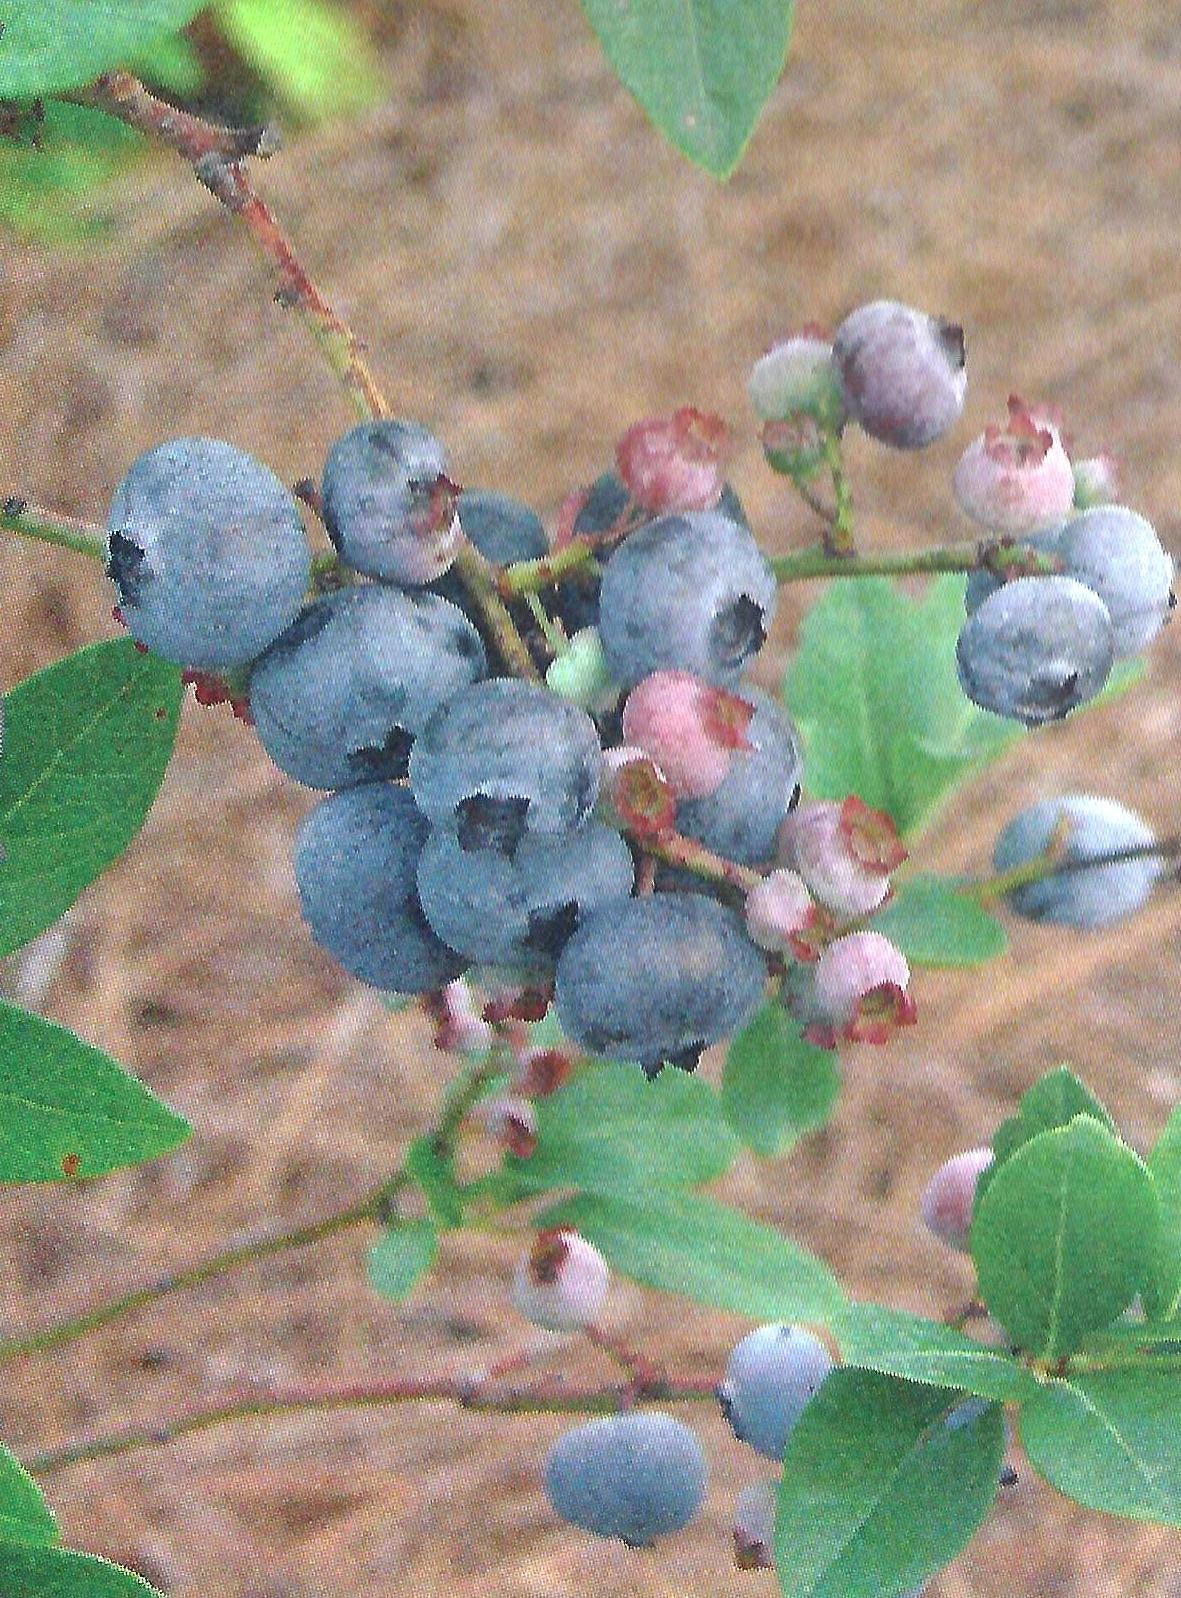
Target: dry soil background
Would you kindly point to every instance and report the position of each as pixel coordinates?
(533, 269)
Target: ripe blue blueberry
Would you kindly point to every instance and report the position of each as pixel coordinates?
(207, 553)
(504, 759)
(770, 1376)
(690, 591)
(502, 529)
(519, 912)
(740, 817)
(1036, 649)
(1080, 826)
(658, 979)
(388, 505)
(356, 864)
(341, 695)
(635, 1477)
(1116, 553)
(901, 372)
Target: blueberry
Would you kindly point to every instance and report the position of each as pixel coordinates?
(506, 758)
(502, 529)
(690, 591)
(740, 817)
(207, 552)
(1116, 553)
(658, 979)
(518, 912)
(388, 505)
(901, 373)
(356, 862)
(1036, 649)
(1082, 826)
(982, 582)
(341, 695)
(770, 1376)
(635, 1476)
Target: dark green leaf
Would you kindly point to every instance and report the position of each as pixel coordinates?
(437, 1180)
(1062, 1237)
(1162, 1290)
(86, 743)
(701, 69)
(68, 1110)
(25, 1517)
(1110, 1439)
(315, 56)
(878, 1489)
(899, 1344)
(682, 1243)
(934, 925)
(404, 1255)
(609, 1130)
(777, 1087)
(57, 1573)
(1053, 1100)
(57, 44)
(874, 691)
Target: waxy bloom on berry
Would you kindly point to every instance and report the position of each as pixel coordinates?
(844, 852)
(1016, 477)
(690, 728)
(859, 991)
(950, 1195)
(674, 463)
(561, 1282)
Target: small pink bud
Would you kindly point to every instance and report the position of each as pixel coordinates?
(1096, 482)
(780, 915)
(636, 792)
(844, 852)
(674, 463)
(1016, 477)
(859, 991)
(690, 729)
(796, 377)
(901, 372)
(950, 1195)
(754, 1525)
(510, 1121)
(540, 1072)
(561, 1283)
(459, 1028)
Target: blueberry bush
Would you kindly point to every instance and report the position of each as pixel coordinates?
(556, 815)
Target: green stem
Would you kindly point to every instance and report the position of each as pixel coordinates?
(839, 541)
(50, 527)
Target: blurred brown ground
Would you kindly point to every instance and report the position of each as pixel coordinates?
(533, 269)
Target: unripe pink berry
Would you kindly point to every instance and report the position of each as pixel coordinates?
(1096, 482)
(859, 991)
(540, 1072)
(510, 1121)
(950, 1195)
(754, 1525)
(844, 852)
(796, 377)
(901, 373)
(1016, 477)
(690, 729)
(780, 914)
(459, 1027)
(674, 463)
(635, 791)
(561, 1283)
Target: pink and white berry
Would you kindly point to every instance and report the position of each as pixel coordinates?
(1016, 477)
(859, 990)
(512, 1122)
(949, 1197)
(844, 852)
(754, 1525)
(797, 377)
(674, 463)
(901, 372)
(780, 914)
(561, 1283)
(689, 728)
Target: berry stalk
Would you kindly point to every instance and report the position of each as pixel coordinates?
(1054, 864)
(51, 527)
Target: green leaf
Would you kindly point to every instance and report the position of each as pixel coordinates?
(86, 744)
(48, 45)
(682, 1243)
(1062, 1237)
(403, 1256)
(25, 1517)
(881, 1339)
(46, 192)
(314, 55)
(874, 691)
(936, 925)
(58, 1573)
(1053, 1100)
(878, 1490)
(68, 1110)
(609, 1130)
(436, 1178)
(170, 62)
(702, 70)
(1162, 1290)
(777, 1087)
(1110, 1439)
